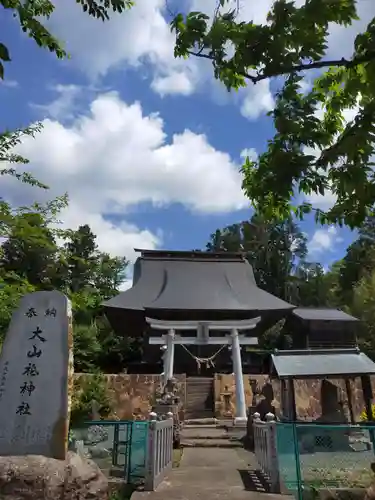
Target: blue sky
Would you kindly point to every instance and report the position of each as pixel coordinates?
(147, 147)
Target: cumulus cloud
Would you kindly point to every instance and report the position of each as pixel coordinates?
(112, 157)
(324, 240)
(141, 38)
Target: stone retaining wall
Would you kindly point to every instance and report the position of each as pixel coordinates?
(132, 395)
(307, 393)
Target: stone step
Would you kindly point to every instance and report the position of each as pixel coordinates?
(201, 421)
(199, 388)
(199, 404)
(199, 384)
(199, 416)
(199, 379)
(198, 391)
(210, 443)
(198, 400)
(198, 437)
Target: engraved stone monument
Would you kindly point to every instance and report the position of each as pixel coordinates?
(36, 377)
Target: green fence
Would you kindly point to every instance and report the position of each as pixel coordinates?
(118, 447)
(315, 456)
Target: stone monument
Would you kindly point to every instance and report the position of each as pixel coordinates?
(36, 377)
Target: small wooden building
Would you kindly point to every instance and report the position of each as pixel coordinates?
(322, 328)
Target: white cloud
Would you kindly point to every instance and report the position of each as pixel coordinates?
(175, 83)
(250, 153)
(125, 285)
(323, 240)
(258, 100)
(11, 84)
(142, 35)
(63, 106)
(114, 157)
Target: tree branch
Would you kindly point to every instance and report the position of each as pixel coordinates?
(369, 56)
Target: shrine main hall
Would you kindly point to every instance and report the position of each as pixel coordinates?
(196, 311)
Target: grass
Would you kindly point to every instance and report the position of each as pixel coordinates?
(338, 477)
(177, 455)
(123, 494)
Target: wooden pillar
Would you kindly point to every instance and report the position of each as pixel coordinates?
(367, 396)
(350, 401)
(292, 411)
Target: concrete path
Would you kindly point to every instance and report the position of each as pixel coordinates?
(210, 474)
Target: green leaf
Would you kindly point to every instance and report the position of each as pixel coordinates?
(4, 53)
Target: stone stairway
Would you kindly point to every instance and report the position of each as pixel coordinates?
(207, 472)
(199, 398)
(208, 436)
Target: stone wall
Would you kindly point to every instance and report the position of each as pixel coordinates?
(132, 395)
(307, 394)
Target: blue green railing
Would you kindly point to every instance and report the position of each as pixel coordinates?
(316, 456)
(118, 447)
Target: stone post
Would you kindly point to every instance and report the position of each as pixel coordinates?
(241, 416)
(168, 374)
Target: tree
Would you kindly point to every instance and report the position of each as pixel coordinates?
(358, 262)
(363, 307)
(30, 247)
(310, 286)
(12, 289)
(32, 13)
(81, 258)
(271, 248)
(293, 42)
(30, 261)
(110, 274)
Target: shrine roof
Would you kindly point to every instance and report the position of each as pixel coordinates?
(322, 314)
(322, 363)
(195, 281)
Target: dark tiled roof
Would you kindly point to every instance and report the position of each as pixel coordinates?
(322, 314)
(195, 281)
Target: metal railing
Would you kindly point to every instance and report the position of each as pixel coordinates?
(311, 456)
(159, 451)
(319, 456)
(118, 447)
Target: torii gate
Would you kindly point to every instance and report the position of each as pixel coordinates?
(203, 338)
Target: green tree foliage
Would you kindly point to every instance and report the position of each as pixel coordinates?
(363, 306)
(358, 261)
(31, 259)
(310, 286)
(271, 248)
(87, 389)
(33, 14)
(294, 41)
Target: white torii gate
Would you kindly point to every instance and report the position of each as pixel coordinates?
(203, 338)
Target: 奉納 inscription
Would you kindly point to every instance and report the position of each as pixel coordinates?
(35, 365)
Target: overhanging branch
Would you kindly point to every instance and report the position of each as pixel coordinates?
(348, 63)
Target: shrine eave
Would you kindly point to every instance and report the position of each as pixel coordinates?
(192, 281)
(323, 314)
(177, 284)
(321, 363)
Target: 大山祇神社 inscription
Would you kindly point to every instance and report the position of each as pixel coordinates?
(36, 368)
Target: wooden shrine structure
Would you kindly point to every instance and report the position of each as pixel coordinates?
(202, 301)
(209, 306)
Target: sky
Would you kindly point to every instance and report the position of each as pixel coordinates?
(148, 147)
